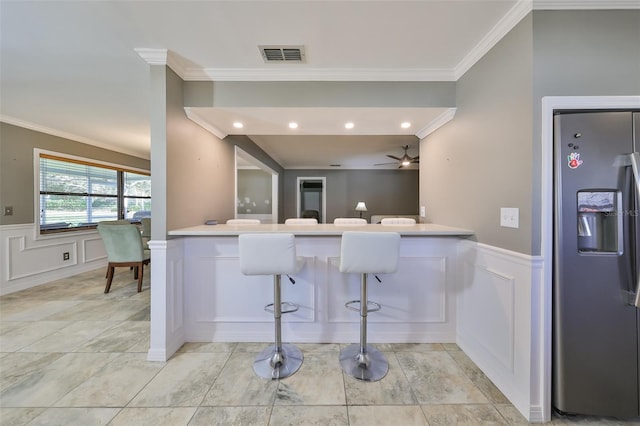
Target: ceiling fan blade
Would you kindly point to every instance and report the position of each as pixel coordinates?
(384, 164)
(415, 161)
(394, 157)
(417, 157)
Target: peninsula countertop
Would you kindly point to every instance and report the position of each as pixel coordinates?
(322, 229)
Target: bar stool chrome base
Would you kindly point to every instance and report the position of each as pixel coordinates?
(368, 366)
(273, 365)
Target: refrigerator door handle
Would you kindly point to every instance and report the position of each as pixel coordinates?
(634, 160)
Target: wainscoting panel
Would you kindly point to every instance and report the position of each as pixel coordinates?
(497, 326)
(29, 259)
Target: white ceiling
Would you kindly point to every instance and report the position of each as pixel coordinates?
(70, 68)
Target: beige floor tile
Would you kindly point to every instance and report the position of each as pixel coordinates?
(318, 382)
(184, 381)
(380, 415)
(463, 414)
(118, 338)
(231, 416)
(511, 414)
(19, 416)
(393, 389)
(42, 311)
(237, 384)
(19, 338)
(44, 387)
(70, 337)
(294, 415)
(478, 378)
(15, 366)
(115, 384)
(208, 347)
(436, 378)
(410, 347)
(75, 416)
(168, 416)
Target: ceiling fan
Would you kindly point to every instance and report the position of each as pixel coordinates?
(405, 161)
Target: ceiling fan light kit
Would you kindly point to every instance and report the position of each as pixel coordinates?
(405, 161)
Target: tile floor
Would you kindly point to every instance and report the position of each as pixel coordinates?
(71, 355)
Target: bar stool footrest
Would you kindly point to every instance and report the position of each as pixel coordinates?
(285, 307)
(374, 306)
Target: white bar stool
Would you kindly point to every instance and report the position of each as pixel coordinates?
(366, 253)
(243, 222)
(398, 221)
(301, 221)
(349, 221)
(273, 254)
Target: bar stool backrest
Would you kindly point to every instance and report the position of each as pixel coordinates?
(349, 221)
(301, 221)
(268, 254)
(398, 221)
(243, 222)
(369, 252)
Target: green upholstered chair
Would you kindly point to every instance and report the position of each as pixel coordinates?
(123, 244)
(146, 231)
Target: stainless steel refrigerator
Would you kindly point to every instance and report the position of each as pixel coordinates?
(596, 321)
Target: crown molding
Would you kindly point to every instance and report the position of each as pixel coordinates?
(504, 25)
(195, 117)
(317, 74)
(436, 123)
(70, 136)
(162, 57)
(585, 4)
(153, 56)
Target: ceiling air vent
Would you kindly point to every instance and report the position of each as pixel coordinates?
(282, 53)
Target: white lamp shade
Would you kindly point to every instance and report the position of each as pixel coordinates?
(361, 206)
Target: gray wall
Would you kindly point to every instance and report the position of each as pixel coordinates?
(481, 160)
(580, 53)
(200, 167)
(384, 191)
(16, 166)
(489, 155)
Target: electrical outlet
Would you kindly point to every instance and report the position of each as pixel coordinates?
(423, 211)
(8, 211)
(509, 217)
(65, 255)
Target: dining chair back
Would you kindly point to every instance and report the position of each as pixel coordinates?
(123, 244)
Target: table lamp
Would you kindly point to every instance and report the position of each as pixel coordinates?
(361, 207)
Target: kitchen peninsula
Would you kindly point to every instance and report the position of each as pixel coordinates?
(208, 299)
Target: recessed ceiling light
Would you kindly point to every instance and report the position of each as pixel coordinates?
(238, 125)
(349, 125)
(293, 125)
(405, 125)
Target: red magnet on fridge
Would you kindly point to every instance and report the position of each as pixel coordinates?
(574, 160)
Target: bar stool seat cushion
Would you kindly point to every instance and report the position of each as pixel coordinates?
(268, 254)
(369, 252)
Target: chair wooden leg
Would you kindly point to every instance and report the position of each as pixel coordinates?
(109, 278)
(141, 267)
(135, 272)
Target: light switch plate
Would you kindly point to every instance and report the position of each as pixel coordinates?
(509, 217)
(423, 211)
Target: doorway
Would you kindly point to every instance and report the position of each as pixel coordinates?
(312, 198)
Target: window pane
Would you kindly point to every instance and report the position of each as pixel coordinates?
(75, 194)
(137, 185)
(73, 178)
(68, 211)
(137, 208)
